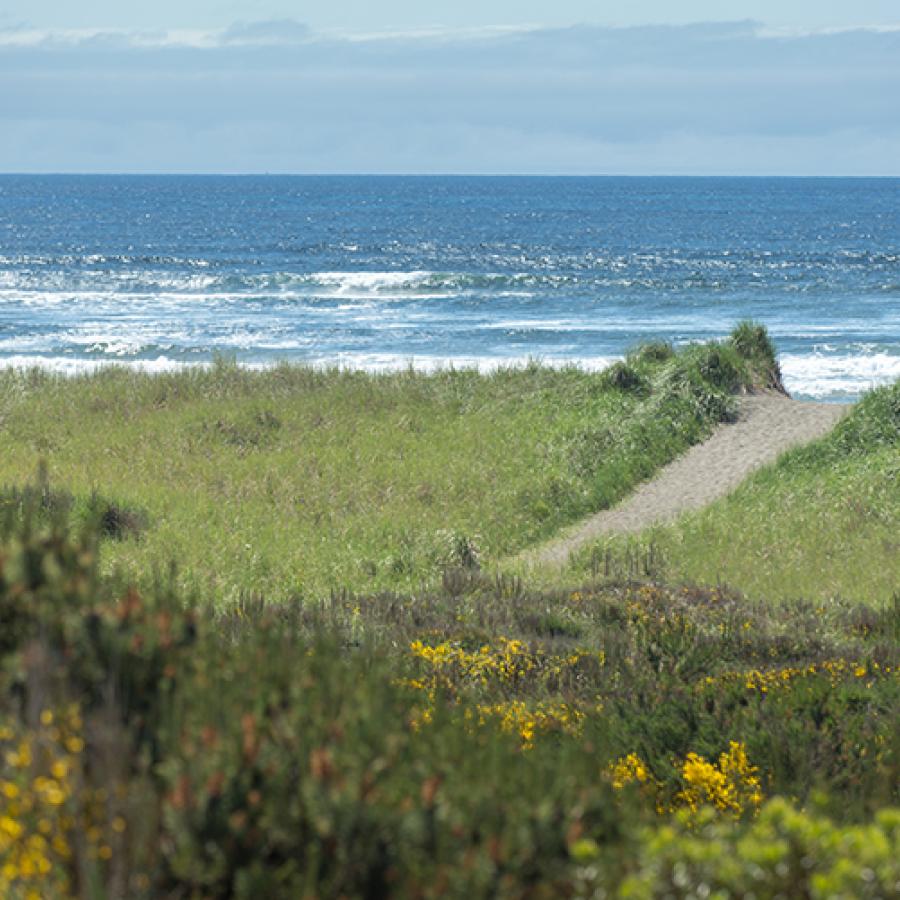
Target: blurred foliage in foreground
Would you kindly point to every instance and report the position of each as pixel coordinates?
(482, 739)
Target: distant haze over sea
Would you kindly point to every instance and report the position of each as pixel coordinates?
(383, 272)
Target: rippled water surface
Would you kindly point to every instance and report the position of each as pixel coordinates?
(382, 272)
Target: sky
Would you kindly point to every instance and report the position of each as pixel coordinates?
(376, 15)
(570, 87)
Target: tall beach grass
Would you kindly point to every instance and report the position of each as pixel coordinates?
(296, 481)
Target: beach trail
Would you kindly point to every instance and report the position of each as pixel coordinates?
(766, 426)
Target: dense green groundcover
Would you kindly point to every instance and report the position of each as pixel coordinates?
(482, 739)
(294, 481)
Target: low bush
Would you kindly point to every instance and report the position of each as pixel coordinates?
(623, 377)
(651, 352)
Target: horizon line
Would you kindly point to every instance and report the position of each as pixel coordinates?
(288, 174)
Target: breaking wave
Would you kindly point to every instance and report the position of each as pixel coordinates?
(820, 376)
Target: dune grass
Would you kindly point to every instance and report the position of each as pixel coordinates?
(296, 481)
(822, 522)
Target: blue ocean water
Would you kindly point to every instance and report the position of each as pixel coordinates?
(382, 272)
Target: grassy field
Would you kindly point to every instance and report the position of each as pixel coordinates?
(294, 482)
(823, 522)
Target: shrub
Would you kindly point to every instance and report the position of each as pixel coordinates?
(785, 853)
(478, 739)
(623, 377)
(652, 352)
(116, 520)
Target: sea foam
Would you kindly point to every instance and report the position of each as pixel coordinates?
(837, 376)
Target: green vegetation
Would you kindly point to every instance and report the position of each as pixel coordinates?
(823, 522)
(294, 482)
(332, 695)
(751, 340)
(480, 739)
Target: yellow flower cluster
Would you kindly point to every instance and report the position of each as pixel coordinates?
(628, 770)
(35, 822)
(731, 785)
(502, 667)
(509, 662)
(836, 670)
(50, 823)
(517, 717)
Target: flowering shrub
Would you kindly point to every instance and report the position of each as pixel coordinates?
(508, 664)
(835, 670)
(731, 785)
(630, 769)
(150, 749)
(517, 717)
(40, 802)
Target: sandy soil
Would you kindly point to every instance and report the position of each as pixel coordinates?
(767, 425)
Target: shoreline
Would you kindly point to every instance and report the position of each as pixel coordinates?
(835, 385)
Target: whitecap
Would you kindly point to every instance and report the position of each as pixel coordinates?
(69, 366)
(369, 282)
(822, 376)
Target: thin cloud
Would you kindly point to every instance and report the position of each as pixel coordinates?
(291, 31)
(279, 32)
(267, 33)
(92, 38)
(716, 97)
(792, 31)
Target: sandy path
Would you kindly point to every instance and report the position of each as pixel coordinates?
(767, 425)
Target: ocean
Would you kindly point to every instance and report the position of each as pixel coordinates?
(384, 272)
